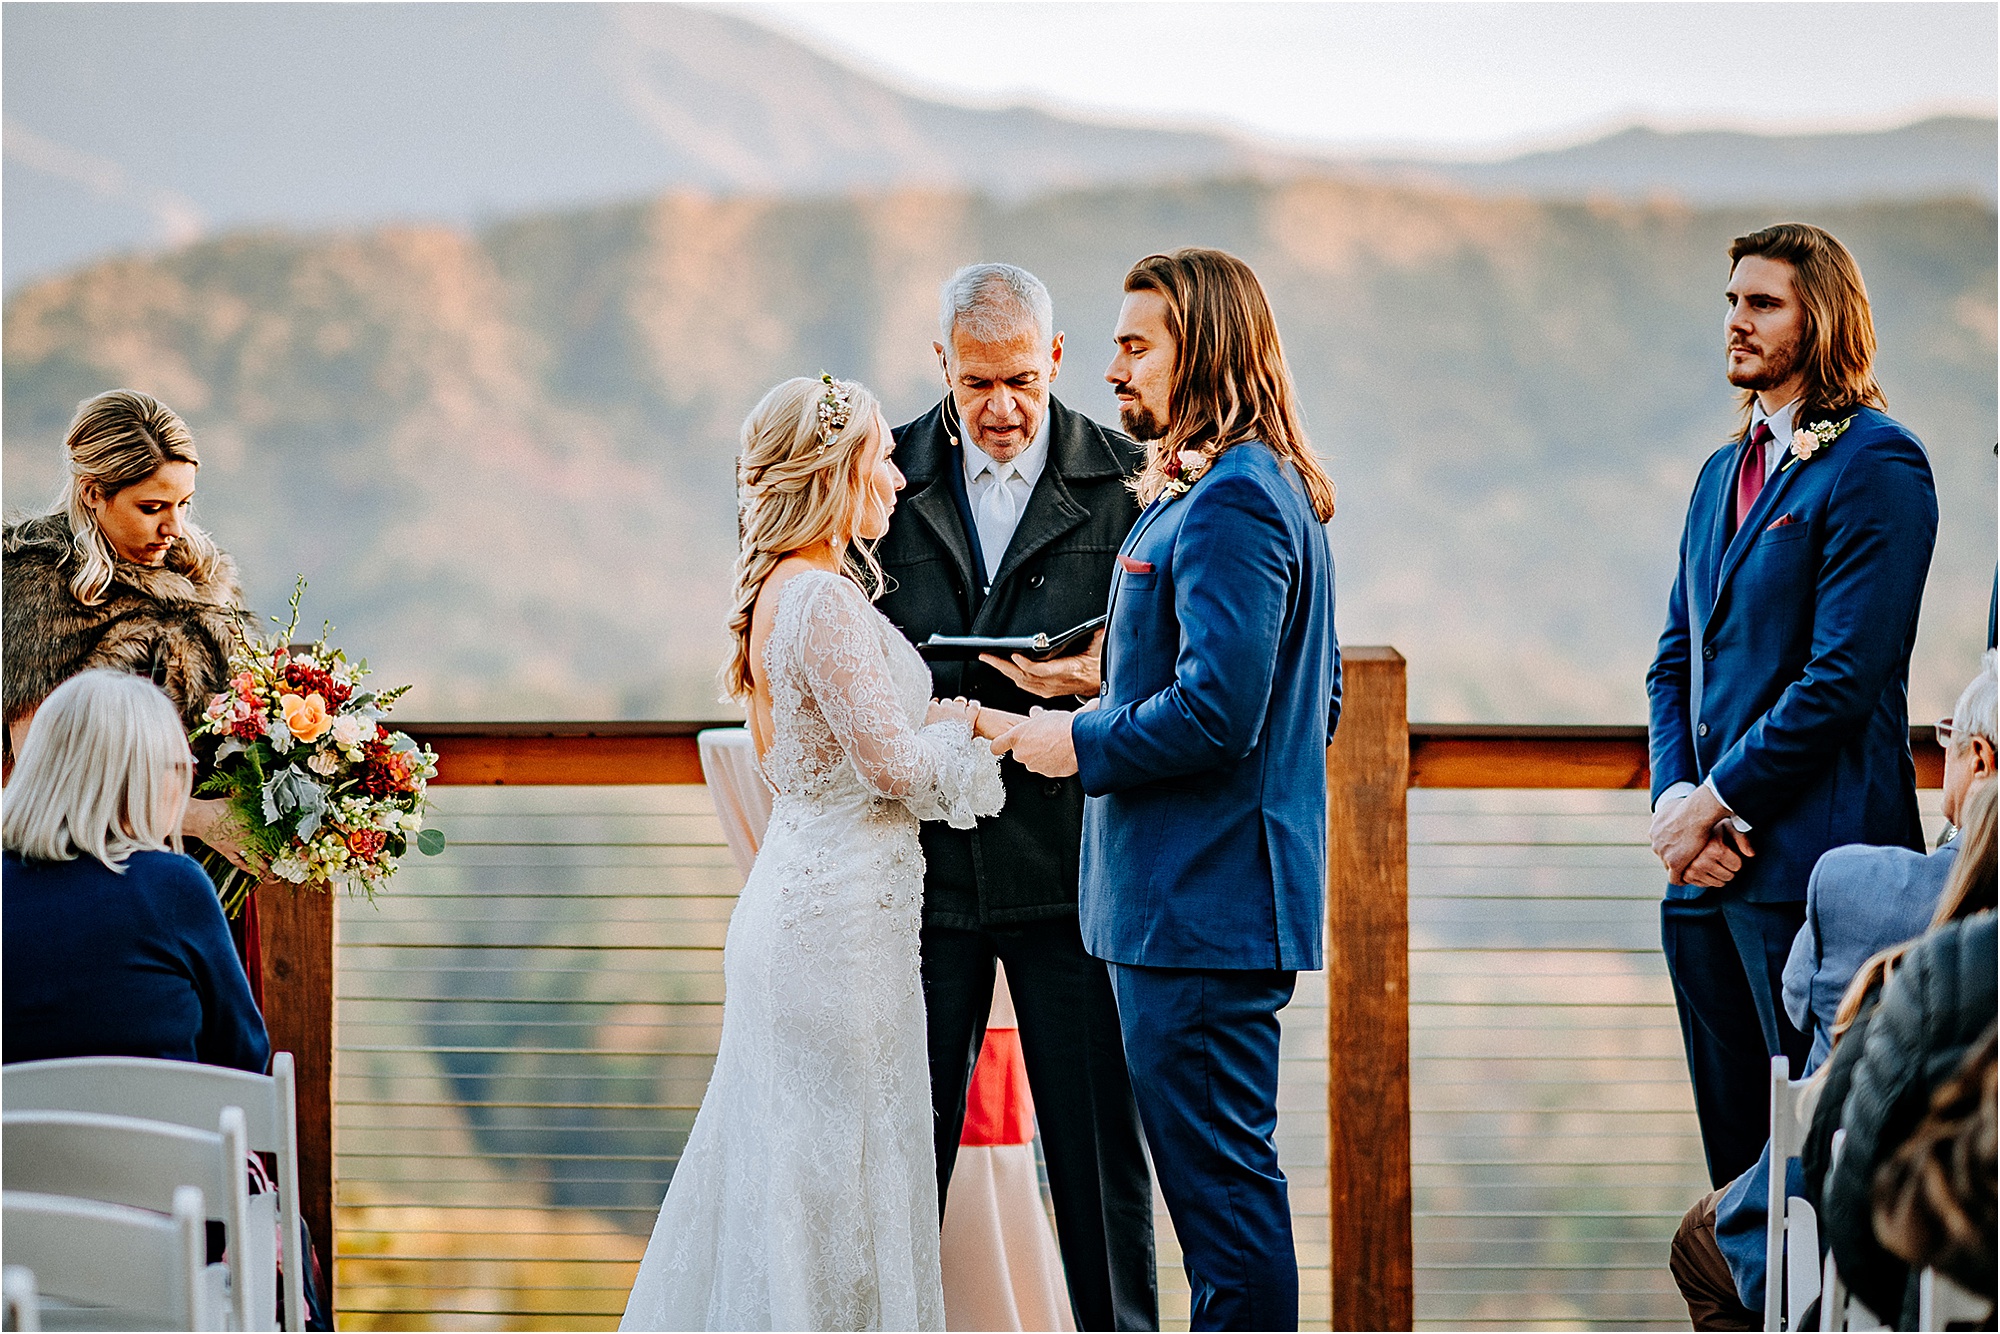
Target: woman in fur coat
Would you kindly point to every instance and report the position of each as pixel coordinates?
(118, 576)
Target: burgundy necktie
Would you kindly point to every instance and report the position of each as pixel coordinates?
(1750, 474)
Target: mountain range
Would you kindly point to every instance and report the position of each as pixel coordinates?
(145, 126)
(504, 457)
(466, 303)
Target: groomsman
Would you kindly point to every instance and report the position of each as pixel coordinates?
(1014, 510)
(1780, 717)
(1204, 868)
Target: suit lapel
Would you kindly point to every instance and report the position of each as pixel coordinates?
(1753, 524)
(938, 509)
(1146, 518)
(1719, 539)
(1051, 512)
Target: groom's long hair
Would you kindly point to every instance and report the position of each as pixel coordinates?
(1230, 382)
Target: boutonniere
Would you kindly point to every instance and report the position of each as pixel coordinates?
(1183, 470)
(1808, 441)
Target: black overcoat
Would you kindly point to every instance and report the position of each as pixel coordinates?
(1021, 865)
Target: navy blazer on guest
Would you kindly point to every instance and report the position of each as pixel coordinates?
(100, 963)
(1783, 671)
(1204, 832)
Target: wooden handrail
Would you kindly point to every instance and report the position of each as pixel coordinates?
(580, 754)
(1376, 758)
(1442, 755)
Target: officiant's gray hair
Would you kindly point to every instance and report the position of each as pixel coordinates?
(992, 301)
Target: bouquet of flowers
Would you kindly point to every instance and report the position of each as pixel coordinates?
(328, 796)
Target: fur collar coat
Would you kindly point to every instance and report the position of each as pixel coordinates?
(165, 622)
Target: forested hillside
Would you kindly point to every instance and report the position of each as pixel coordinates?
(503, 457)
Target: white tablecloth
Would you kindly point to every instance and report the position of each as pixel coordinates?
(736, 785)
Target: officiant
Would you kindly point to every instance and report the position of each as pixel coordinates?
(1013, 515)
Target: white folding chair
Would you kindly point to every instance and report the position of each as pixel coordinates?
(1941, 1303)
(126, 1160)
(1791, 1228)
(125, 1268)
(23, 1306)
(1838, 1310)
(186, 1094)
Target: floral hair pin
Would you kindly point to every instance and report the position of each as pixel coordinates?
(1810, 440)
(836, 407)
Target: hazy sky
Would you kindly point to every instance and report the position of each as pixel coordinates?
(1432, 76)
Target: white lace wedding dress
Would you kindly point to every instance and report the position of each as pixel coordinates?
(806, 1198)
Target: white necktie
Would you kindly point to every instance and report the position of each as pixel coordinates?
(998, 514)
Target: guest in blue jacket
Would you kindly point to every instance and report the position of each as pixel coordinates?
(112, 940)
(1780, 713)
(1861, 900)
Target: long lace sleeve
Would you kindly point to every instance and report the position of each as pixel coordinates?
(941, 772)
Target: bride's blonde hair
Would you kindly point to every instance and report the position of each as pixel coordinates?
(799, 484)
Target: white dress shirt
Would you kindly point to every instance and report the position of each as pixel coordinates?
(1781, 438)
(1774, 454)
(990, 515)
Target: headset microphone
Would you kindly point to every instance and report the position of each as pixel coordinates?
(945, 407)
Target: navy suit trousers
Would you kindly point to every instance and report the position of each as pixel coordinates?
(1727, 961)
(1202, 1047)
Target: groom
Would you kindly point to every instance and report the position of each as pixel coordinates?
(1204, 760)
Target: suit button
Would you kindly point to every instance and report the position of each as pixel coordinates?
(1053, 788)
(1035, 580)
(1701, 729)
(1708, 653)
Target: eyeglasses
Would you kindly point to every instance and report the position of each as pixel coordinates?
(1947, 731)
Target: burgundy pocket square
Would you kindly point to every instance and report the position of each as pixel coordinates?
(1131, 566)
(1779, 522)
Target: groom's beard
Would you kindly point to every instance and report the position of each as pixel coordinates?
(1140, 423)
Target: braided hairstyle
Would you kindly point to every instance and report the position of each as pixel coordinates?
(799, 484)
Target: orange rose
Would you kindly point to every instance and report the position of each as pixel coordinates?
(307, 716)
(367, 843)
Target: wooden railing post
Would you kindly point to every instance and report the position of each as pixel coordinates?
(1368, 997)
(297, 936)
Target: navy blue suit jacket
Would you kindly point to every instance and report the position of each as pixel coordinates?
(99, 963)
(1204, 832)
(1784, 668)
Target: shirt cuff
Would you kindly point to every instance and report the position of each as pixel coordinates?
(1742, 825)
(1675, 793)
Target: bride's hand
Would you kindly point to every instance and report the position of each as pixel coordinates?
(959, 710)
(995, 722)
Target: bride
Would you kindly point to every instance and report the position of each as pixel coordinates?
(806, 1197)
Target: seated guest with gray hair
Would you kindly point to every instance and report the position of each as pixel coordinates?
(112, 940)
(1861, 899)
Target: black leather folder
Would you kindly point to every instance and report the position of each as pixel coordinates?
(1039, 647)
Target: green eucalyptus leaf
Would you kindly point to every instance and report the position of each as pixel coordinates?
(430, 842)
